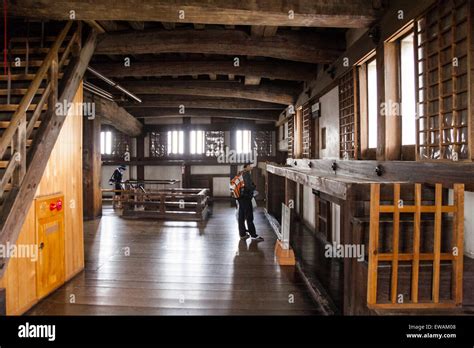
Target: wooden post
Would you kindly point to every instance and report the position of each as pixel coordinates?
(380, 153)
(437, 243)
(416, 245)
(458, 239)
(373, 243)
(395, 241)
(393, 121)
(92, 168)
(140, 157)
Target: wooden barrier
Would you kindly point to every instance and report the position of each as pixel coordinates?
(454, 256)
(169, 204)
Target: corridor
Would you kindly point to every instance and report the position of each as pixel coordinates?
(145, 267)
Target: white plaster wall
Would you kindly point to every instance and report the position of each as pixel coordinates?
(308, 206)
(210, 170)
(330, 120)
(220, 187)
(336, 222)
(164, 173)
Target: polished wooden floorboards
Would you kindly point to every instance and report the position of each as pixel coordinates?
(146, 267)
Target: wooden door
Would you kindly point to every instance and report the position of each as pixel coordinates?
(50, 267)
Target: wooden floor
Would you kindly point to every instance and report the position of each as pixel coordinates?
(179, 268)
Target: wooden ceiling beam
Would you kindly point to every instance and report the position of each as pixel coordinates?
(293, 13)
(117, 116)
(175, 101)
(272, 70)
(258, 115)
(293, 46)
(137, 25)
(265, 92)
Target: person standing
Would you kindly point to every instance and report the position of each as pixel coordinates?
(116, 180)
(246, 207)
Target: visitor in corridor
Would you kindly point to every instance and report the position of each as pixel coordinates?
(246, 207)
(116, 180)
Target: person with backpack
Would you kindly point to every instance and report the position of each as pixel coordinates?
(243, 188)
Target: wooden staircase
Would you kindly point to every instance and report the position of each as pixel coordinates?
(42, 72)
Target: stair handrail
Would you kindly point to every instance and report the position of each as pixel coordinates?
(25, 103)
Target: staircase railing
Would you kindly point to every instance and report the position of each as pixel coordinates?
(20, 128)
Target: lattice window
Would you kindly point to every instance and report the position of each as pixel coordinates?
(307, 131)
(429, 247)
(264, 143)
(121, 143)
(158, 144)
(214, 143)
(348, 134)
(442, 70)
(291, 136)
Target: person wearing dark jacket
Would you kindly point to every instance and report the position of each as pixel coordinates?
(116, 180)
(246, 208)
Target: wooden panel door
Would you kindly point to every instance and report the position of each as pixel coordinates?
(50, 267)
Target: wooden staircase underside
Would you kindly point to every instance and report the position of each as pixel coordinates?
(16, 202)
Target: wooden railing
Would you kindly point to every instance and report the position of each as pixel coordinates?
(170, 204)
(447, 237)
(20, 128)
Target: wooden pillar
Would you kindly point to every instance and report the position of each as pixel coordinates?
(3, 302)
(380, 153)
(393, 120)
(91, 169)
(140, 157)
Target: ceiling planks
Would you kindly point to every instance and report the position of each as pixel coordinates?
(270, 93)
(295, 46)
(304, 13)
(264, 69)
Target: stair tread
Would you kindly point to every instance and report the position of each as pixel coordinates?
(19, 91)
(37, 38)
(23, 77)
(31, 63)
(5, 124)
(33, 50)
(14, 107)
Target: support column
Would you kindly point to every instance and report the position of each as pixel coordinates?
(140, 157)
(92, 168)
(380, 153)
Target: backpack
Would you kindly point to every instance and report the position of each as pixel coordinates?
(236, 185)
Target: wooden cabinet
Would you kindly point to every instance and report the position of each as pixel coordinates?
(50, 267)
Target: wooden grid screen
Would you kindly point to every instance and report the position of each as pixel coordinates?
(158, 144)
(264, 143)
(452, 253)
(348, 133)
(442, 54)
(214, 143)
(307, 131)
(121, 143)
(291, 136)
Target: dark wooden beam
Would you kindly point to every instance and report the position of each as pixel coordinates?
(260, 115)
(295, 46)
(271, 70)
(265, 92)
(19, 199)
(294, 13)
(137, 25)
(116, 116)
(112, 26)
(175, 101)
(91, 169)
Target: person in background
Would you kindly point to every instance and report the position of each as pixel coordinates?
(245, 206)
(116, 180)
